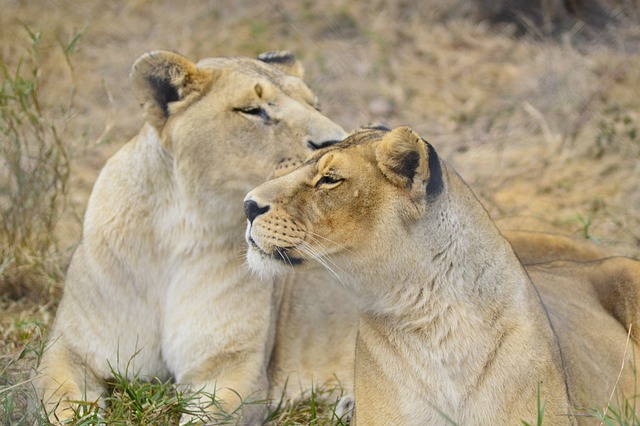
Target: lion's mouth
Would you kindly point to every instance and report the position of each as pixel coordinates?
(280, 254)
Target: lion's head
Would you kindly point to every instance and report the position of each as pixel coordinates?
(351, 201)
(227, 123)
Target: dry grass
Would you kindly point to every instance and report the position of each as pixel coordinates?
(544, 128)
(33, 180)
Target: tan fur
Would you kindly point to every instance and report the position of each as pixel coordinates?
(315, 338)
(158, 286)
(451, 324)
(537, 247)
(536, 241)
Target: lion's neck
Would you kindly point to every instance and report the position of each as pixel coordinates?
(177, 216)
(455, 258)
(460, 302)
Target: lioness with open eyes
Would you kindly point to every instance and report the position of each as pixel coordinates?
(452, 327)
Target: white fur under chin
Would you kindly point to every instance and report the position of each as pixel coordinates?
(264, 266)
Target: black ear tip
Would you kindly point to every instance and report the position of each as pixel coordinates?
(376, 126)
(436, 183)
(277, 57)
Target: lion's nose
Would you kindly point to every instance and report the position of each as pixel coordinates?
(253, 210)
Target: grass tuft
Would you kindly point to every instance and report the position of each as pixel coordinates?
(34, 176)
(17, 399)
(318, 408)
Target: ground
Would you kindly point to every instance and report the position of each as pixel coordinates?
(543, 128)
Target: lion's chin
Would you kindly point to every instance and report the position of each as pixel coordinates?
(265, 265)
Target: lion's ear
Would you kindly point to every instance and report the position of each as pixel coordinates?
(409, 162)
(159, 78)
(284, 61)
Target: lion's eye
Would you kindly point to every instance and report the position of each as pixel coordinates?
(256, 112)
(328, 182)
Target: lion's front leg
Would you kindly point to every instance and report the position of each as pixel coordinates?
(237, 395)
(65, 387)
(217, 342)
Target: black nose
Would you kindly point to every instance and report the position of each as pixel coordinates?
(253, 210)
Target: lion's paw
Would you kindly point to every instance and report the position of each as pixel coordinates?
(344, 409)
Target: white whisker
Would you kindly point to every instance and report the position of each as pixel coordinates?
(322, 259)
(285, 257)
(313, 234)
(324, 253)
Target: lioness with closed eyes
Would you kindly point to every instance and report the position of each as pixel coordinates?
(452, 327)
(157, 288)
